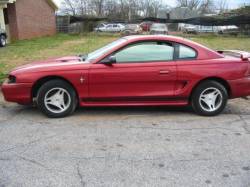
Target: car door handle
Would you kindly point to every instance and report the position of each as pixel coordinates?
(164, 72)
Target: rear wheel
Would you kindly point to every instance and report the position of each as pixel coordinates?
(3, 41)
(209, 98)
(56, 98)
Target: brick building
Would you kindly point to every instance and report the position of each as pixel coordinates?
(25, 19)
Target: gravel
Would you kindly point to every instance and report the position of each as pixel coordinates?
(150, 146)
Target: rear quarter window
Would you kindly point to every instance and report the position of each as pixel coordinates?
(186, 52)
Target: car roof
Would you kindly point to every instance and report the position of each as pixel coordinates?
(154, 37)
(161, 37)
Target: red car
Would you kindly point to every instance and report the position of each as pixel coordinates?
(134, 71)
(146, 26)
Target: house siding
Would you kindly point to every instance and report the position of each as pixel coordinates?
(29, 19)
(2, 24)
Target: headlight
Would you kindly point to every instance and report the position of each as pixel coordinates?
(11, 79)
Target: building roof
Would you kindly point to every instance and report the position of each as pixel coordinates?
(206, 20)
(52, 4)
(178, 13)
(7, 1)
(3, 3)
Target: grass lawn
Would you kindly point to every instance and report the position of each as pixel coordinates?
(26, 51)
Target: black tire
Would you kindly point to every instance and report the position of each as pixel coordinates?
(198, 106)
(220, 32)
(53, 84)
(3, 40)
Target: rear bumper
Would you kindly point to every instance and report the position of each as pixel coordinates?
(18, 93)
(240, 87)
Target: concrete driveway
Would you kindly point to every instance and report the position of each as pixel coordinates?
(125, 147)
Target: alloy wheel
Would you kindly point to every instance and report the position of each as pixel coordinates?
(57, 100)
(211, 99)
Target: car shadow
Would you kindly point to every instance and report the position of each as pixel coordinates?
(15, 110)
(136, 110)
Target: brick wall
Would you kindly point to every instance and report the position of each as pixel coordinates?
(12, 22)
(31, 18)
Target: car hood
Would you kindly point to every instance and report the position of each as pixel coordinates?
(50, 64)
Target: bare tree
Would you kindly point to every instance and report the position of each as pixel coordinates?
(98, 6)
(207, 6)
(114, 9)
(82, 7)
(222, 6)
(75, 7)
(194, 4)
(191, 4)
(69, 7)
(202, 6)
(156, 4)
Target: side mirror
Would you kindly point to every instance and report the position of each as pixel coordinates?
(110, 60)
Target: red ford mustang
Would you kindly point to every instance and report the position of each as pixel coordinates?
(134, 71)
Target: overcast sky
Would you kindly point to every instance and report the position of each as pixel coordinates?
(231, 3)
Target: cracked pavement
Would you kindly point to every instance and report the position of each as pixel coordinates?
(153, 146)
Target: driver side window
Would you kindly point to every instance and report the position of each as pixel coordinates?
(146, 52)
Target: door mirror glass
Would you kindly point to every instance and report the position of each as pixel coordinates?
(112, 59)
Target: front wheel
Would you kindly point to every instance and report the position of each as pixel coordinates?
(209, 98)
(56, 99)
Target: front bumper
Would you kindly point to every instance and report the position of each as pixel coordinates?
(240, 87)
(17, 92)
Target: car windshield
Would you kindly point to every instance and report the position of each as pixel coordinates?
(159, 26)
(98, 53)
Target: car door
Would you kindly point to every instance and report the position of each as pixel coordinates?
(143, 71)
(115, 28)
(109, 28)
